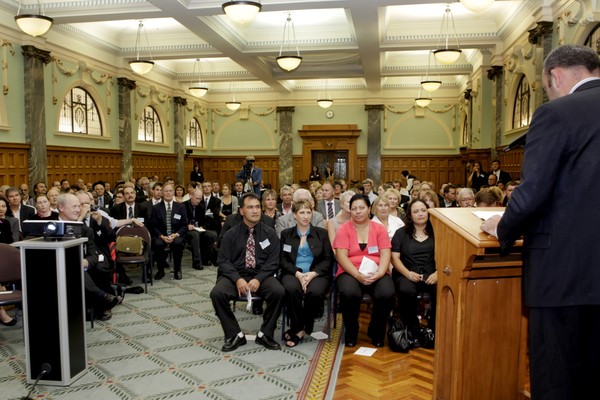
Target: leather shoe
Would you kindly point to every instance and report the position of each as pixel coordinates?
(112, 301)
(106, 315)
(178, 275)
(12, 322)
(233, 343)
(159, 275)
(350, 344)
(267, 342)
(198, 267)
(377, 343)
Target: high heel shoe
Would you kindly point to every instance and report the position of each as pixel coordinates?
(12, 322)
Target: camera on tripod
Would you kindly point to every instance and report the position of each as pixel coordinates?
(248, 168)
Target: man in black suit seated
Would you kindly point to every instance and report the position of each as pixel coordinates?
(202, 243)
(248, 261)
(20, 211)
(98, 269)
(168, 226)
(449, 198)
(130, 208)
(104, 199)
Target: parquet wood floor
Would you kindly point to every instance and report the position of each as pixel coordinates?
(385, 375)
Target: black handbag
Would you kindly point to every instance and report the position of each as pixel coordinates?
(398, 339)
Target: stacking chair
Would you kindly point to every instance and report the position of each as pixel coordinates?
(10, 276)
(145, 259)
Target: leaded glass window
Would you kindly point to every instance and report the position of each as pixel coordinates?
(521, 111)
(150, 129)
(79, 114)
(194, 136)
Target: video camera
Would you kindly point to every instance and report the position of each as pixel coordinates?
(248, 168)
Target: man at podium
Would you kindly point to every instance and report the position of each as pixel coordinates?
(561, 271)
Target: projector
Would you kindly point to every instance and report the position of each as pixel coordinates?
(53, 229)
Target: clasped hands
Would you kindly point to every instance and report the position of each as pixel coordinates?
(367, 279)
(244, 286)
(169, 239)
(305, 278)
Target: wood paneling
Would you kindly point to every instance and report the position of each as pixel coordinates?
(90, 165)
(13, 164)
(223, 169)
(149, 164)
(437, 169)
(511, 161)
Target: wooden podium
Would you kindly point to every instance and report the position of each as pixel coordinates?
(481, 330)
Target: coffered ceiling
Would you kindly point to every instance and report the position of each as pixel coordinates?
(371, 47)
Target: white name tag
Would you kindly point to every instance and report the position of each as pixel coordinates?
(287, 248)
(140, 219)
(176, 216)
(100, 257)
(264, 244)
(373, 250)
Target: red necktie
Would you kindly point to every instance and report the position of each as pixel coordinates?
(250, 250)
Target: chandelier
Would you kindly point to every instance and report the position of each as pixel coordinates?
(289, 62)
(140, 66)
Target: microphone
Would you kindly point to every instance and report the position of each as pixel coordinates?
(518, 142)
(46, 368)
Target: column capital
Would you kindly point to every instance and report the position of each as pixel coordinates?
(378, 107)
(180, 101)
(34, 52)
(495, 71)
(286, 109)
(126, 83)
(536, 34)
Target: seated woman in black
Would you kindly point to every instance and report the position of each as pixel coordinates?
(413, 258)
(306, 268)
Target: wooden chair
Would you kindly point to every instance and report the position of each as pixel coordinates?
(145, 259)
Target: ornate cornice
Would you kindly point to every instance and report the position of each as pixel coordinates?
(180, 101)
(33, 52)
(536, 34)
(495, 71)
(126, 83)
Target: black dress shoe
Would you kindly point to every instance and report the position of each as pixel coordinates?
(12, 322)
(267, 342)
(198, 266)
(178, 275)
(112, 301)
(350, 344)
(159, 275)
(233, 343)
(377, 343)
(106, 315)
(124, 279)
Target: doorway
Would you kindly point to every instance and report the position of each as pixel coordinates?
(336, 159)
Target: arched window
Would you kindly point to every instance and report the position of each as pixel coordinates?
(150, 129)
(79, 114)
(593, 39)
(194, 136)
(521, 113)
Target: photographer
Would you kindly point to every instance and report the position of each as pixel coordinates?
(251, 176)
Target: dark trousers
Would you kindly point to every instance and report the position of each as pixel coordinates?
(160, 254)
(302, 316)
(564, 352)
(351, 292)
(97, 283)
(207, 247)
(225, 291)
(193, 238)
(408, 303)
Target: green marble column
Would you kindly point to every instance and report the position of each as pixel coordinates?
(179, 136)
(286, 150)
(374, 113)
(35, 111)
(125, 134)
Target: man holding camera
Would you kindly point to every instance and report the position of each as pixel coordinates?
(251, 176)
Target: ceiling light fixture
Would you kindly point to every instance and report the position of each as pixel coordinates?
(198, 89)
(422, 101)
(138, 66)
(289, 62)
(430, 85)
(325, 101)
(476, 5)
(240, 11)
(233, 105)
(447, 55)
(33, 24)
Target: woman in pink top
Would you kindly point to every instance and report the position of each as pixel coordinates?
(363, 251)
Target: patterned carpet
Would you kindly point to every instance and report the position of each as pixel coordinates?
(167, 345)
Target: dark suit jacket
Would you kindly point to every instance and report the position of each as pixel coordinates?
(103, 236)
(320, 247)
(214, 205)
(234, 219)
(179, 221)
(26, 212)
(140, 210)
(107, 202)
(504, 177)
(553, 205)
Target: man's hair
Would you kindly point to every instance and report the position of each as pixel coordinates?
(448, 187)
(285, 187)
(571, 55)
(496, 160)
(462, 192)
(246, 197)
(157, 183)
(13, 189)
(300, 192)
(369, 181)
(513, 183)
(486, 198)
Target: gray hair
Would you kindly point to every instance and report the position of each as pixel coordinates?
(572, 56)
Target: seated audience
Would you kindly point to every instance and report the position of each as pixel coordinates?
(288, 221)
(306, 263)
(229, 203)
(430, 198)
(466, 197)
(248, 261)
(486, 198)
(44, 213)
(10, 223)
(179, 193)
(381, 214)
(362, 242)
(413, 258)
(510, 186)
(269, 204)
(343, 216)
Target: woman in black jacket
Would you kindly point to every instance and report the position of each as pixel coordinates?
(306, 268)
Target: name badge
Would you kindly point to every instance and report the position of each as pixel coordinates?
(373, 250)
(141, 219)
(100, 257)
(287, 248)
(176, 216)
(264, 244)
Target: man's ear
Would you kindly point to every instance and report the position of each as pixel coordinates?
(557, 76)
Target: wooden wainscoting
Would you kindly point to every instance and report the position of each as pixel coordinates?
(511, 161)
(14, 168)
(90, 165)
(437, 169)
(150, 164)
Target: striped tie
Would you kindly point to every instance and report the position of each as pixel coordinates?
(169, 219)
(329, 210)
